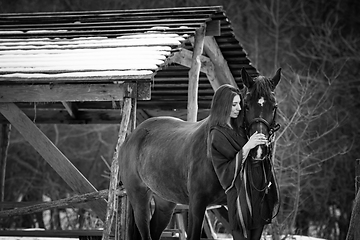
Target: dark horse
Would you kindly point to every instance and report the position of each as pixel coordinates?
(165, 158)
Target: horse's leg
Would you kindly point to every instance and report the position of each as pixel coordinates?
(196, 216)
(139, 198)
(161, 216)
(256, 233)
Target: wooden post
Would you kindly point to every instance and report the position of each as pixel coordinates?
(114, 178)
(192, 107)
(4, 145)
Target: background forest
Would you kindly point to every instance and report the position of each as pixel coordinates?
(317, 45)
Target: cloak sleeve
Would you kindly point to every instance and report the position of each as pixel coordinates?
(226, 158)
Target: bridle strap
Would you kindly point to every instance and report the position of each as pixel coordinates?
(271, 127)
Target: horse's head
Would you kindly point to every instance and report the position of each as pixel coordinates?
(260, 109)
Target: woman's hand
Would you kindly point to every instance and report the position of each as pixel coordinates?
(256, 139)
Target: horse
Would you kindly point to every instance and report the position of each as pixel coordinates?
(165, 160)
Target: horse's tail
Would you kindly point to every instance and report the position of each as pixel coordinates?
(133, 232)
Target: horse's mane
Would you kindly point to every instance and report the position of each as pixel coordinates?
(262, 87)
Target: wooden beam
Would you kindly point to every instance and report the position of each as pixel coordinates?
(222, 70)
(57, 160)
(194, 74)
(68, 92)
(184, 58)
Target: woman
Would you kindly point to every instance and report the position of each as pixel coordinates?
(229, 147)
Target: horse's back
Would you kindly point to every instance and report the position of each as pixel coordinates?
(158, 155)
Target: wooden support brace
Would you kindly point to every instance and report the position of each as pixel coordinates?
(222, 70)
(194, 74)
(210, 232)
(114, 179)
(57, 160)
(67, 202)
(221, 214)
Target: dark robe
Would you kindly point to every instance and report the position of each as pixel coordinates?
(249, 185)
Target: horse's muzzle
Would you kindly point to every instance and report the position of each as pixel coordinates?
(260, 152)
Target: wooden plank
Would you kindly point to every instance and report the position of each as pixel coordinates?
(222, 215)
(67, 202)
(64, 92)
(50, 233)
(222, 69)
(194, 74)
(66, 234)
(57, 160)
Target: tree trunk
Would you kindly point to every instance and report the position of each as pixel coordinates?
(354, 227)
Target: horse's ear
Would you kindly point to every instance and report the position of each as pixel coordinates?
(247, 80)
(275, 80)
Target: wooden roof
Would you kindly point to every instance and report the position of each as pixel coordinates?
(67, 67)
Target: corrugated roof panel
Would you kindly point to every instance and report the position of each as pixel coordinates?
(135, 55)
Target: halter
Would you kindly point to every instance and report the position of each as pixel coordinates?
(271, 127)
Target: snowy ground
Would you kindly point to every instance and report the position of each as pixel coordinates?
(293, 237)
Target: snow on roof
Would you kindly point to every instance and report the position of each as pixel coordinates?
(132, 55)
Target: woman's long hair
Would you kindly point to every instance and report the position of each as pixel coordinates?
(221, 108)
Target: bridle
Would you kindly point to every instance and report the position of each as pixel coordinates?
(271, 127)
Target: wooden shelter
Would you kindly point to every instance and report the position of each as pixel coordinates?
(28, 41)
(80, 67)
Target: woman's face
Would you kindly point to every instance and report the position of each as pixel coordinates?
(236, 107)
